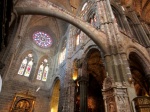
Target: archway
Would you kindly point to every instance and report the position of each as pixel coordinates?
(96, 76)
(141, 82)
(89, 96)
(95, 98)
(52, 10)
(55, 97)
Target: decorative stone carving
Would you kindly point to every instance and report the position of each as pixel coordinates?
(115, 96)
(108, 82)
(141, 104)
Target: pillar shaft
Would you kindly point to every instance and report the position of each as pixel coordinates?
(83, 94)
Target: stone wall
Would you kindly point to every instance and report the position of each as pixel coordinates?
(11, 87)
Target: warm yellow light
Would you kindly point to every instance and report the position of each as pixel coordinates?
(146, 95)
(74, 77)
(52, 110)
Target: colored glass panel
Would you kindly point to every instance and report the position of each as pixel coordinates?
(45, 73)
(42, 39)
(28, 69)
(22, 67)
(40, 71)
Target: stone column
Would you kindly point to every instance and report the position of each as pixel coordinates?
(115, 96)
(83, 93)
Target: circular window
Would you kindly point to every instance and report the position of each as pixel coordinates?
(42, 39)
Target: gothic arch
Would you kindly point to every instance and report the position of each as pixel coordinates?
(24, 54)
(60, 13)
(19, 62)
(117, 7)
(141, 56)
(100, 62)
(55, 93)
(89, 49)
(93, 69)
(39, 63)
(140, 71)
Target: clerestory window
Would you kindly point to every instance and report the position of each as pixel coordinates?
(26, 65)
(43, 70)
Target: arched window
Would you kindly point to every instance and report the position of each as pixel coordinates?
(43, 71)
(62, 55)
(26, 65)
(42, 39)
(84, 6)
(93, 21)
(78, 40)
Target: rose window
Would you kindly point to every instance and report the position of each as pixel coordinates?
(42, 39)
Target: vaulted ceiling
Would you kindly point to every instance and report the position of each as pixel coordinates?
(142, 7)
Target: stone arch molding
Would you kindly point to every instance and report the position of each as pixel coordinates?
(143, 58)
(46, 8)
(54, 81)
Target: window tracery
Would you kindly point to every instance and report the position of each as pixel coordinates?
(43, 71)
(26, 65)
(42, 39)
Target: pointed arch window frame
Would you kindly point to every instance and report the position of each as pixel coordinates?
(26, 66)
(43, 71)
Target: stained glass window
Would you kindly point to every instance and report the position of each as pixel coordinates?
(28, 69)
(62, 56)
(26, 66)
(43, 71)
(42, 39)
(77, 39)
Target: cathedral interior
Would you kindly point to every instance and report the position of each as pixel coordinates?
(75, 56)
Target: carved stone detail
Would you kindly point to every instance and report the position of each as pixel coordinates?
(108, 82)
(115, 96)
(141, 104)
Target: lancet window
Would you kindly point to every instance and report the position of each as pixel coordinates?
(26, 65)
(43, 70)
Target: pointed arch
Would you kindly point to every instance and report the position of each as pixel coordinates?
(140, 73)
(54, 103)
(26, 65)
(43, 69)
(141, 56)
(55, 11)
